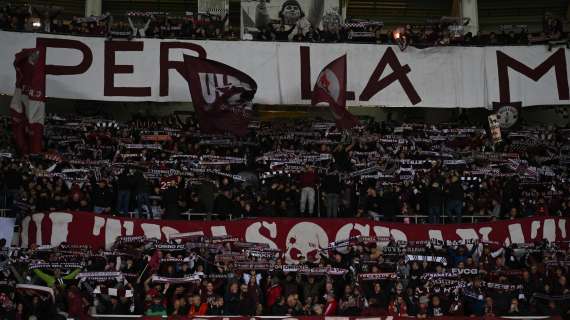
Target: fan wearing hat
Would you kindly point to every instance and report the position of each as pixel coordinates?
(102, 196)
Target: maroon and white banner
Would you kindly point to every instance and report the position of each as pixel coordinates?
(296, 237)
(377, 317)
(377, 75)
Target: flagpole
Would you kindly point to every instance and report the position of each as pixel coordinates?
(318, 201)
(142, 272)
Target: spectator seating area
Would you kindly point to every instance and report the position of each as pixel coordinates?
(194, 276)
(299, 173)
(166, 167)
(440, 31)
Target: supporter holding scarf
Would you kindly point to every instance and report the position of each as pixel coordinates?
(56, 279)
(124, 185)
(434, 200)
(332, 187)
(308, 182)
(454, 193)
(102, 196)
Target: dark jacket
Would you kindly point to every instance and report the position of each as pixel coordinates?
(141, 184)
(170, 201)
(332, 183)
(232, 304)
(102, 197)
(124, 182)
(223, 205)
(434, 197)
(455, 191)
(390, 205)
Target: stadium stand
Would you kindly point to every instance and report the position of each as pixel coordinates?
(441, 193)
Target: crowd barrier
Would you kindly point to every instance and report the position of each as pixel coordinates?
(415, 218)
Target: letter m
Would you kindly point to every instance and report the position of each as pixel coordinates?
(557, 61)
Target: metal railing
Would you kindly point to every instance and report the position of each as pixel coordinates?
(416, 218)
(3, 212)
(420, 217)
(473, 218)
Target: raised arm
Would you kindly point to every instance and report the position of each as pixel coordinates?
(132, 25)
(223, 21)
(44, 276)
(147, 24)
(72, 275)
(262, 18)
(17, 275)
(473, 250)
(497, 253)
(316, 12)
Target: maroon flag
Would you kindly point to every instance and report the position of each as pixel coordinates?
(27, 108)
(221, 95)
(331, 88)
(154, 261)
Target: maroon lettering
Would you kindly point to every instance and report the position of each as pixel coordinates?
(399, 73)
(166, 64)
(44, 43)
(290, 235)
(557, 61)
(306, 85)
(306, 73)
(111, 69)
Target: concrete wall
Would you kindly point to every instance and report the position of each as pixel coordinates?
(543, 115)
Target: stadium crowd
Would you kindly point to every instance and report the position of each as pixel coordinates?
(162, 168)
(166, 168)
(198, 26)
(442, 32)
(360, 276)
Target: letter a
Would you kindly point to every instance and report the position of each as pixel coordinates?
(399, 73)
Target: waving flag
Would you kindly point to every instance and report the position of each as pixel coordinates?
(222, 95)
(331, 88)
(27, 108)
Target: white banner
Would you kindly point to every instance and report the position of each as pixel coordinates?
(378, 75)
(289, 17)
